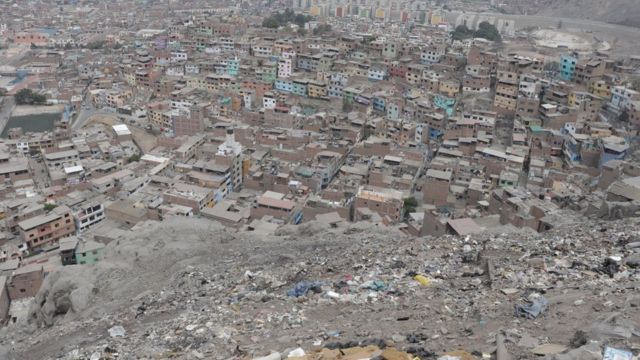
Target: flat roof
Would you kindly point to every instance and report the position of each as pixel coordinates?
(276, 203)
(121, 129)
(61, 154)
(439, 174)
(73, 169)
(43, 219)
(13, 166)
(69, 243)
(464, 226)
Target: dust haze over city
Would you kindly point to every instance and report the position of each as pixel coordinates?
(320, 179)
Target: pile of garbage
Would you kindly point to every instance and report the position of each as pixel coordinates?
(189, 290)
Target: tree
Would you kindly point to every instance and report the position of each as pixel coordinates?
(410, 205)
(28, 97)
(488, 31)
(271, 23)
(95, 45)
(322, 29)
(134, 158)
(279, 19)
(302, 31)
(300, 20)
(462, 32)
(49, 206)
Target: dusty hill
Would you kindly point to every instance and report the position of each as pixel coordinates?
(623, 12)
(190, 289)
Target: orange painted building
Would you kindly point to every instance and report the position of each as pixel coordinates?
(28, 38)
(48, 228)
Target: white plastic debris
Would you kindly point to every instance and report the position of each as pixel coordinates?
(296, 353)
(117, 331)
(272, 356)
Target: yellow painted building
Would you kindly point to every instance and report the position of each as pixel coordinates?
(600, 88)
(380, 14)
(451, 88)
(314, 10)
(436, 19)
(317, 89)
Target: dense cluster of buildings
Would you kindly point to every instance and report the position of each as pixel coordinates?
(380, 118)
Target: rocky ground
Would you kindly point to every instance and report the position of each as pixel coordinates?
(194, 290)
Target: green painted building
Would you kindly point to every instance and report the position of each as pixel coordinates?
(89, 252)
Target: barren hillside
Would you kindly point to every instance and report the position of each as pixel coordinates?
(193, 290)
(624, 12)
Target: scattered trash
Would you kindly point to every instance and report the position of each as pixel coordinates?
(423, 280)
(299, 352)
(303, 287)
(616, 354)
(117, 331)
(376, 285)
(611, 265)
(510, 291)
(533, 308)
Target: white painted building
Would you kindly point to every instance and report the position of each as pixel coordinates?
(285, 68)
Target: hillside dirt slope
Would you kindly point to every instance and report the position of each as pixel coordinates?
(190, 289)
(623, 12)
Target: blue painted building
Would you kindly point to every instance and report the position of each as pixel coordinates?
(613, 151)
(445, 103)
(379, 103)
(568, 67)
(284, 85)
(233, 67)
(300, 87)
(393, 110)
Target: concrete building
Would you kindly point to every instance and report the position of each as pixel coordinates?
(436, 186)
(47, 229)
(13, 171)
(388, 204)
(88, 252)
(25, 282)
(195, 197)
